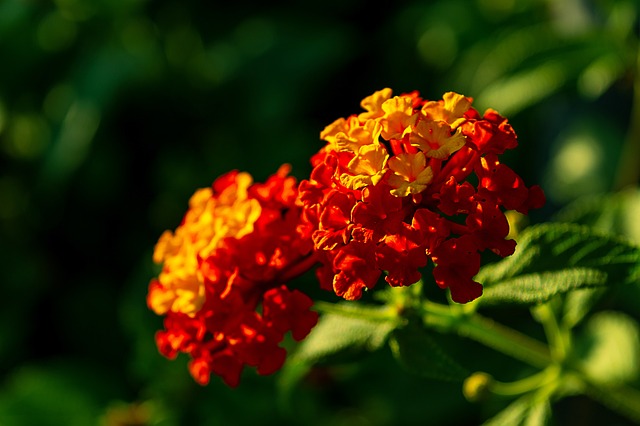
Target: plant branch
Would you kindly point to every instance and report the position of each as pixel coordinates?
(489, 333)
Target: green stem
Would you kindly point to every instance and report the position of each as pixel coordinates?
(506, 340)
(489, 333)
(559, 340)
(519, 387)
(621, 399)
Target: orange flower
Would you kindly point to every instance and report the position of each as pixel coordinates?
(222, 287)
(387, 194)
(396, 198)
(212, 217)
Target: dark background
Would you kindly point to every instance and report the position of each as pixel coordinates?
(113, 112)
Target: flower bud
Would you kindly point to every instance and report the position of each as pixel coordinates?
(477, 386)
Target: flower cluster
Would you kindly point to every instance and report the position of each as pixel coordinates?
(237, 247)
(404, 182)
(409, 180)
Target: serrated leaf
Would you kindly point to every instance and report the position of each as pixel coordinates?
(419, 353)
(610, 348)
(537, 287)
(555, 258)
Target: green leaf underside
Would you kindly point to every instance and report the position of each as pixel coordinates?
(534, 288)
(556, 258)
(337, 334)
(416, 351)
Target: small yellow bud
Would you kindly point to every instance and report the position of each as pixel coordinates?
(476, 387)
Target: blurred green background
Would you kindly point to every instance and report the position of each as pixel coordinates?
(112, 112)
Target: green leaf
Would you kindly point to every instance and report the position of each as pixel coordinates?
(615, 214)
(342, 334)
(577, 304)
(339, 335)
(555, 258)
(538, 287)
(420, 354)
(528, 410)
(609, 349)
(539, 414)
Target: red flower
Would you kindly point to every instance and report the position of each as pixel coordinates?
(353, 271)
(389, 191)
(457, 262)
(238, 247)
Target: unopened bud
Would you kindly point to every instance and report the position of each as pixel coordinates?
(476, 387)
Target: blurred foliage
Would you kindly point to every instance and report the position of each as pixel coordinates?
(113, 112)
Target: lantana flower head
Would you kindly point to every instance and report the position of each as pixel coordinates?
(404, 183)
(407, 181)
(222, 288)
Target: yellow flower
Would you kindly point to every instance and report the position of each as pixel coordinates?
(398, 117)
(450, 110)
(350, 135)
(368, 167)
(373, 104)
(330, 132)
(210, 219)
(411, 175)
(435, 140)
